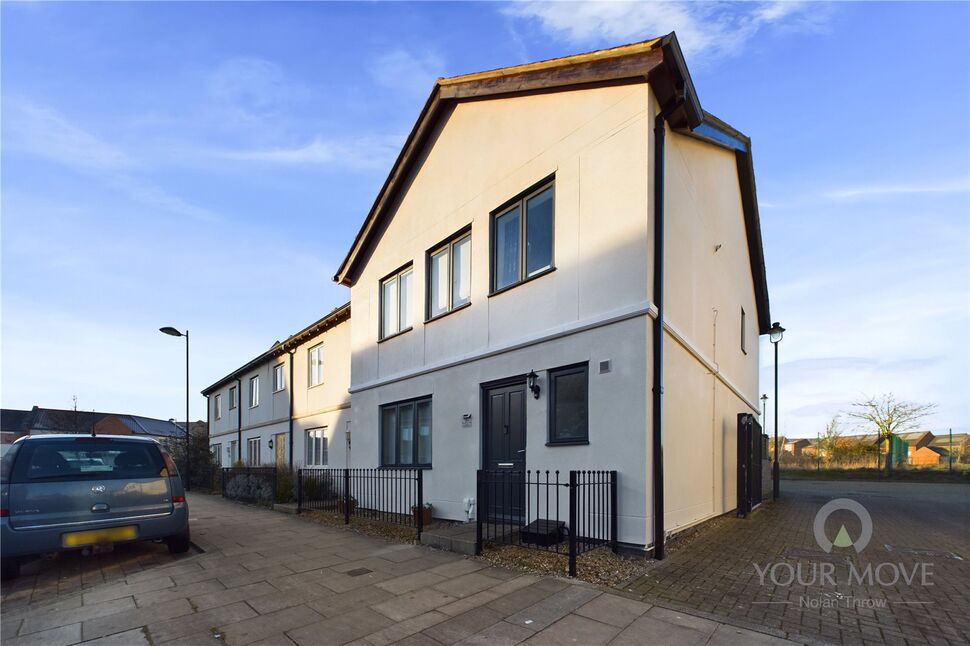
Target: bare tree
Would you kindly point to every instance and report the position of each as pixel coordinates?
(829, 442)
(890, 416)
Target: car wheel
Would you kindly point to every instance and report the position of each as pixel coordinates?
(10, 569)
(180, 543)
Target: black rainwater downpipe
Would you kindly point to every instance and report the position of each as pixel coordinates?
(238, 420)
(292, 353)
(659, 134)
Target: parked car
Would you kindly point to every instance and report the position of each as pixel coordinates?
(83, 492)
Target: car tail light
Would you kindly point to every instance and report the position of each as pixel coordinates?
(4, 513)
(178, 498)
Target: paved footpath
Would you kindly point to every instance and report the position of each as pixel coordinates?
(915, 525)
(271, 579)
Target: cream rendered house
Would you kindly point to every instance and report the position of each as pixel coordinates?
(516, 234)
(288, 407)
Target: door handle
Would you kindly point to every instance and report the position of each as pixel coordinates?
(506, 464)
(101, 506)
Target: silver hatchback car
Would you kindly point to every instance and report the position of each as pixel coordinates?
(75, 492)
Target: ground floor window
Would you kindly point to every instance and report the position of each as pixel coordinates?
(252, 452)
(406, 433)
(216, 450)
(233, 452)
(316, 447)
(569, 404)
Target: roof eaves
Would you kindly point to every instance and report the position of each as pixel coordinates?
(319, 326)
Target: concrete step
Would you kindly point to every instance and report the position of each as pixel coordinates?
(286, 508)
(453, 538)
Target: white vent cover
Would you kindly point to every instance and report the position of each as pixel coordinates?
(606, 366)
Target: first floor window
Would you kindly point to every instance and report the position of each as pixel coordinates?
(216, 450)
(396, 303)
(279, 380)
(569, 404)
(522, 238)
(316, 365)
(218, 406)
(233, 398)
(406, 433)
(449, 276)
(316, 447)
(744, 340)
(254, 391)
(252, 452)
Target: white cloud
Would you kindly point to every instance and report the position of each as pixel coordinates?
(958, 185)
(703, 28)
(361, 153)
(402, 70)
(40, 131)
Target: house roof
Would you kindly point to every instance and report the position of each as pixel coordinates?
(44, 421)
(149, 426)
(916, 437)
(658, 61)
(337, 315)
(943, 439)
(13, 420)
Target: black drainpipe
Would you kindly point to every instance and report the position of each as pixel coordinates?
(292, 354)
(238, 420)
(659, 133)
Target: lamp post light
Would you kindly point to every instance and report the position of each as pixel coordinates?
(188, 448)
(775, 334)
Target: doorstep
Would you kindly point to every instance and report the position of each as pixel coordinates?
(453, 538)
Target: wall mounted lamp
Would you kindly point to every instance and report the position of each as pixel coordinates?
(534, 383)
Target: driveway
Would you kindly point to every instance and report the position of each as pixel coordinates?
(917, 589)
(269, 578)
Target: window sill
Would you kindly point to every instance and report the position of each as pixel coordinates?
(569, 443)
(312, 386)
(279, 391)
(544, 272)
(451, 311)
(395, 335)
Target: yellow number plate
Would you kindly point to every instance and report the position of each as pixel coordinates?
(95, 536)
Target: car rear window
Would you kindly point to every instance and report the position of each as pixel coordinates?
(6, 463)
(88, 458)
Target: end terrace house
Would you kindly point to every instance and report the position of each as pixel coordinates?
(289, 407)
(563, 270)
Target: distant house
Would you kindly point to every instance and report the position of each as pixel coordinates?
(926, 456)
(795, 446)
(39, 421)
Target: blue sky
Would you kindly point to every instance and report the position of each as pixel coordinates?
(207, 165)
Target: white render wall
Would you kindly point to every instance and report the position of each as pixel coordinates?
(324, 406)
(616, 419)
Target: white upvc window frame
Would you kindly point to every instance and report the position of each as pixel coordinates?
(316, 447)
(401, 316)
(253, 457)
(233, 397)
(279, 377)
(254, 391)
(217, 404)
(315, 366)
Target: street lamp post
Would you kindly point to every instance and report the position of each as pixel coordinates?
(188, 444)
(775, 334)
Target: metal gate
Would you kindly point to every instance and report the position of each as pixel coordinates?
(750, 455)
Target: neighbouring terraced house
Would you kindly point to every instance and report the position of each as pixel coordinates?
(513, 308)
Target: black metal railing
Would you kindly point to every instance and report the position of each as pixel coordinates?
(255, 485)
(389, 495)
(546, 511)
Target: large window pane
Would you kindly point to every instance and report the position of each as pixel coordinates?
(405, 420)
(439, 283)
(389, 308)
(507, 248)
(538, 251)
(424, 432)
(388, 435)
(405, 300)
(462, 272)
(569, 421)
